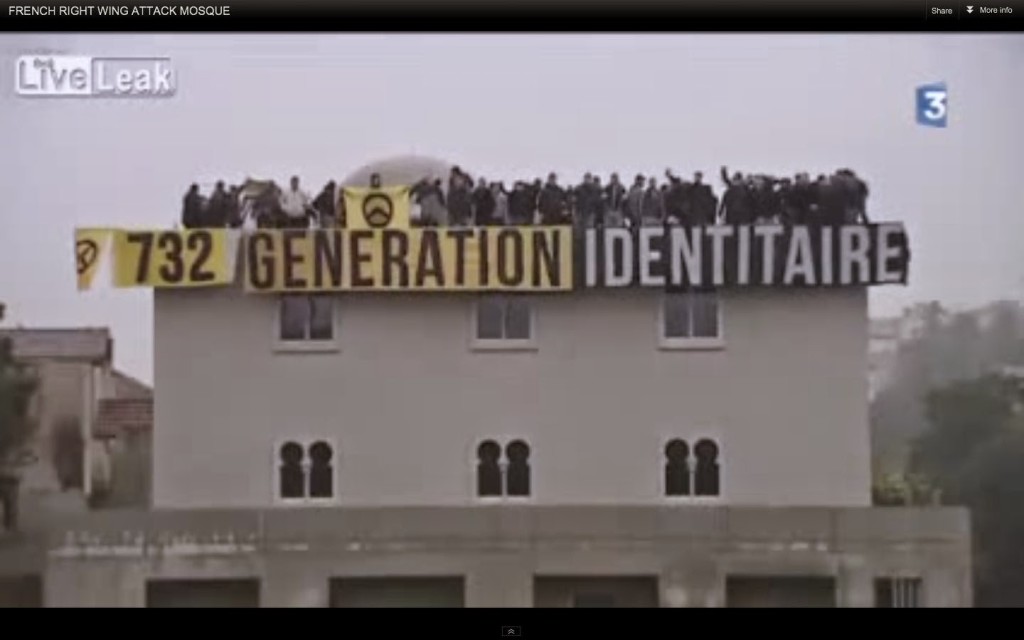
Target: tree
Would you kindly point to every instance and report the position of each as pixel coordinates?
(962, 416)
(949, 347)
(974, 451)
(17, 387)
(991, 484)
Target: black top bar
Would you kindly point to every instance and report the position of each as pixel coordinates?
(514, 15)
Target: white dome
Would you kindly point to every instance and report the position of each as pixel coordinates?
(400, 170)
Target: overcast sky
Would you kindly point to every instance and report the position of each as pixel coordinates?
(514, 106)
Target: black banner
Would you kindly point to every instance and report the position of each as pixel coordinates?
(530, 15)
(677, 257)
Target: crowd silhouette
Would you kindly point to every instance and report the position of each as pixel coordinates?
(829, 199)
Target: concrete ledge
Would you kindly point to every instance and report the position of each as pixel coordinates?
(742, 528)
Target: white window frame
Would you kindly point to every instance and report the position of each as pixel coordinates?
(305, 345)
(694, 343)
(305, 442)
(691, 439)
(502, 344)
(503, 441)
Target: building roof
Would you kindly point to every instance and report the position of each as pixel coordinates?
(400, 170)
(87, 345)
(123, 415)
(126, 386)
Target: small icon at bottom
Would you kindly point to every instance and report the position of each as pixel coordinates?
(511, 632)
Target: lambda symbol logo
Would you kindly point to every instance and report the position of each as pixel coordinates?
(86, 253)
(378, 209)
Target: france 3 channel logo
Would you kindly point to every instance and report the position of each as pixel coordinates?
(932, 105)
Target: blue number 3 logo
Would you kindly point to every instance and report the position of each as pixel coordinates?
(932, 106)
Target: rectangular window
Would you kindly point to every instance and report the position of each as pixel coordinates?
(504, 321)
(306, 321)
(690, 320)
(898, 593)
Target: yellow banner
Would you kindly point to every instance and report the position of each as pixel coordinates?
(427, 259)
(187, 258)
(90, 247)
(377, 208)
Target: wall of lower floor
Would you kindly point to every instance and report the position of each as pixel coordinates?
(508, 556)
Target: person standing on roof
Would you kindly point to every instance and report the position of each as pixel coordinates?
(192, 208)
(295, 205)
(217, 208)
(325, 206)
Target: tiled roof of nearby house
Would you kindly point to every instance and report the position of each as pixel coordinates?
(120, 415)
(126, 386)
(89, 345)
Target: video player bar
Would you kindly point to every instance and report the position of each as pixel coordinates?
(511, 15)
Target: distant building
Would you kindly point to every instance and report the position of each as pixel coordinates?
(883, 345)
(77, 381)
(592, 448)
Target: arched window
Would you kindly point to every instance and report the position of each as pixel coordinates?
(517, 475)
(706, 477)
(321, 471)
(292, 478)
(488, 470)
(677, 468)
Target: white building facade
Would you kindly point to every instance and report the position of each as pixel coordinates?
(594, 447)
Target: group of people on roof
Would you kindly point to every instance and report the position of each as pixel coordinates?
(461, 200)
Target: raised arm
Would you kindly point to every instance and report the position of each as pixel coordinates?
(725, 176)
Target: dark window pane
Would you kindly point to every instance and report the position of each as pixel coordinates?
(294, 317)
(593, 601)
(292, 478)
(518, 471)
(488, 479)
(705, 315)
(488, 471)
(706, 477)
(676, 318)
(321, 324)
(321, 473)
(517, 319)
(883, 593)
(898, 593)
(489, 312)
(677, 469)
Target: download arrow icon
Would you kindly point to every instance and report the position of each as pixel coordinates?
(970, 8)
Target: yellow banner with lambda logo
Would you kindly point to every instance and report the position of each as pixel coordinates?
(90, 247)
(187, 258)
(427, 259)
(377, 208)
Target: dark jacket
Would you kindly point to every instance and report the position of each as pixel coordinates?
(192, 210)
(217, 209)
(677, 203)
(703, 204)
(324, 204)
(737, 205)
(801, 196)
(520, 206)
(460, 205)
(483, 205)
(831, 202)
(653, 204)
(551, 204)
(614, 194)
